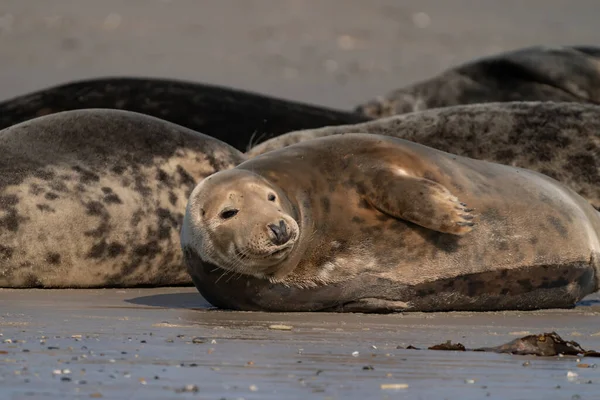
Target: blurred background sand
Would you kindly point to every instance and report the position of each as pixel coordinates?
(330, 52)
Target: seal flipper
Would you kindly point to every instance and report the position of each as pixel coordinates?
(418, 200)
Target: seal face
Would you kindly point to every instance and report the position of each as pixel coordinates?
(95, 198)
(244, 223)
(387, 225)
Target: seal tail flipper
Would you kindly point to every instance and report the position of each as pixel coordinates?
(420, 201)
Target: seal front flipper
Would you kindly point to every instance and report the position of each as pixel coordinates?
(418, 200)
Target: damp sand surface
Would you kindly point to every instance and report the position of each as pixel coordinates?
(169, 343)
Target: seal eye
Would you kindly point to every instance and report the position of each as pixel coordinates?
(228, 214)
(271, 197)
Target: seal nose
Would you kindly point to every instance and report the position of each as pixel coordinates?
(279, 233)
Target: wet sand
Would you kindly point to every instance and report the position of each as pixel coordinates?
(164, 343)
(138, 344)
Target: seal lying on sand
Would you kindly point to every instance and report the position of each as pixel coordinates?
(373, 223)
(95, 198)
(561, 140)
(570, 73)
(233, 116)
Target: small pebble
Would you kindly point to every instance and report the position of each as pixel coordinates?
(526, 364)
(96, 395)
(394, 386)
(572, 375)
(470, 381)
(253, 388)
(198, 340)
(188, 389)
(281, 327)
(368, 368)
(355, 354)
(65, 379)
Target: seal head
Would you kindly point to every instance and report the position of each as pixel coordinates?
(241, 222)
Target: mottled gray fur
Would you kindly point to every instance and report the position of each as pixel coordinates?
(540, 73)
(95, 198)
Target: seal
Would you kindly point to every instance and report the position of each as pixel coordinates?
(95, 198)
(561, 140)
(372, 223)
(540, 73)
(236, 117)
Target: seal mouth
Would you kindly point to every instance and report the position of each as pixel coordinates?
(278, 251)
(286, 249)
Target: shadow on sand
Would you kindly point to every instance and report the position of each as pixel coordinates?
(173, 300)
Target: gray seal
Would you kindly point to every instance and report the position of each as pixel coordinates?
(95, 198)
(372, 223)
(540, 73)
(237, 117)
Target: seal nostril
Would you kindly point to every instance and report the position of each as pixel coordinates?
(280, 232)
(283, 229)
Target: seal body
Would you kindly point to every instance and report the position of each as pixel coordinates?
(384, 224)
(561, 140)
(540, 73)
(236, 117)
(95, 198)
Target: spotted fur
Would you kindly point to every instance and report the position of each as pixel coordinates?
(540, 73)
(95, 198)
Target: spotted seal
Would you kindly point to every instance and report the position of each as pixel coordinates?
(539, 73)
(561, 140)
(234, 116)
(372, 223)
(95, 198)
